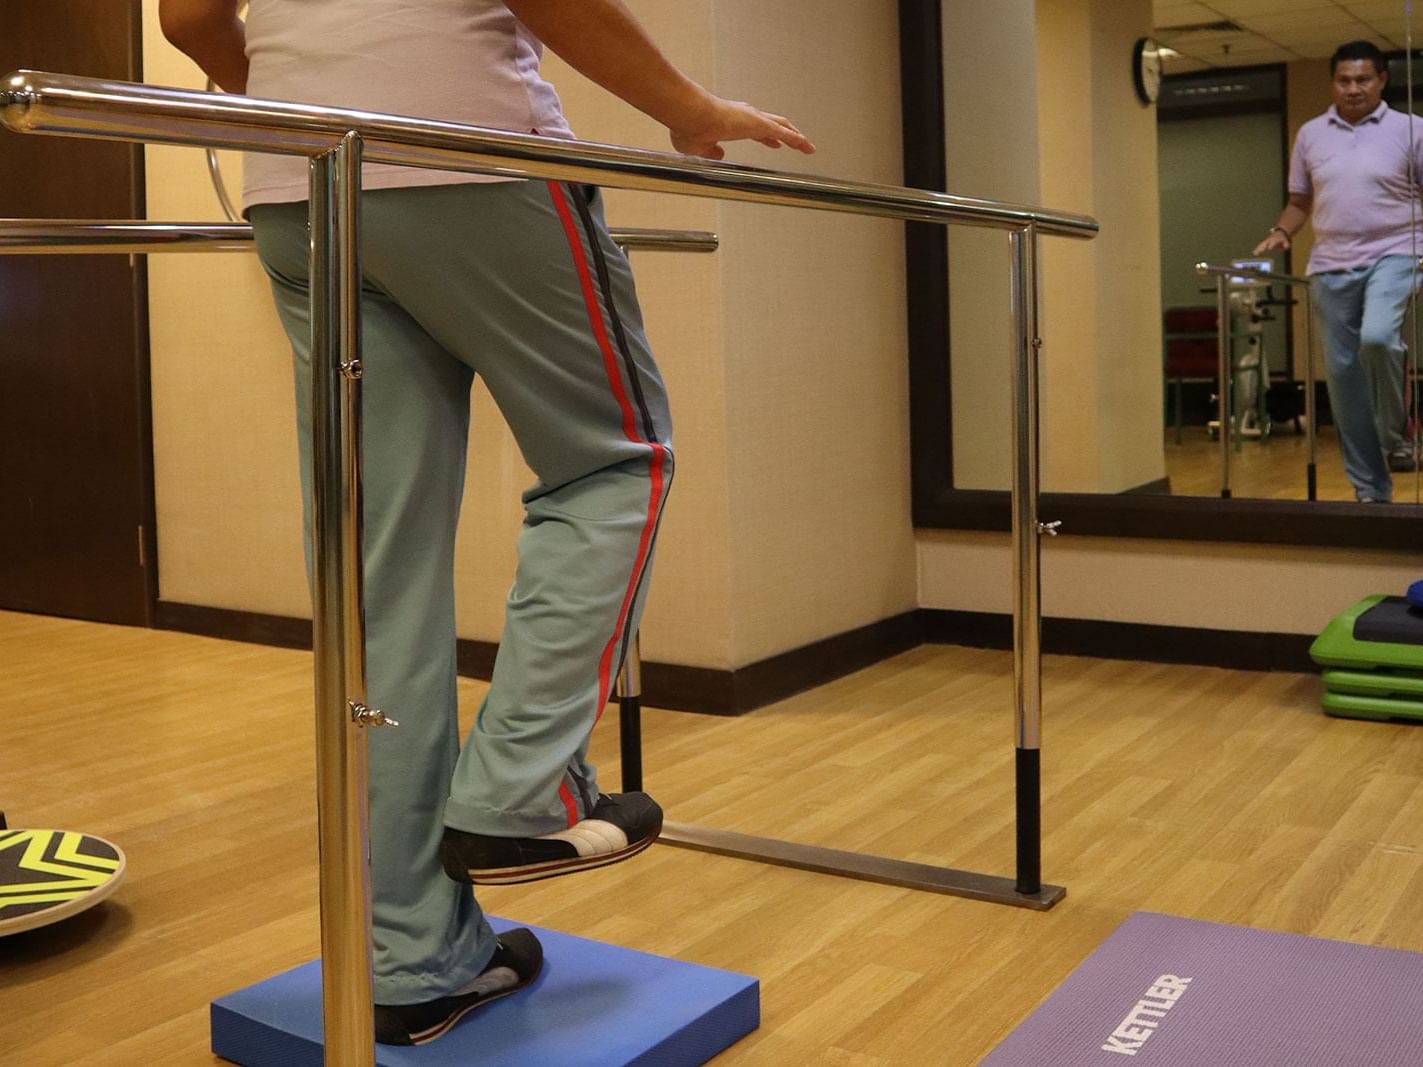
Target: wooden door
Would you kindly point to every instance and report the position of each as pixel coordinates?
(76, 511)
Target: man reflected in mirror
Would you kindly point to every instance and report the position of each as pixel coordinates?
(1353, 174)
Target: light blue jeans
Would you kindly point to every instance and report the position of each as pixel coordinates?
(1360, 314)
(520, 283)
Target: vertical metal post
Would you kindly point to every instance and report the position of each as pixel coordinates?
(1310, 415)
(338, 607)
(630, 715)
(630, 706)
(1027, 559)
(1227, 375)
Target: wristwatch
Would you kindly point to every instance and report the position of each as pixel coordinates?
(1279, 229)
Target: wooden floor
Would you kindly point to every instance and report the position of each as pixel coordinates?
(1273, 469)
(1218, 795)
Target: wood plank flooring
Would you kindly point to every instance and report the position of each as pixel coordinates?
(1274, 469)
(1207, 793)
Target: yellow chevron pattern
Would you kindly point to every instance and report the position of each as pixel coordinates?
(29, 878)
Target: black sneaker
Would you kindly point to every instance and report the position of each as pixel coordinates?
(621, 826)
(1401, 459)
(517, 962)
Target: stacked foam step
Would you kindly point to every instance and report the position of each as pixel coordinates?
(1374, 655)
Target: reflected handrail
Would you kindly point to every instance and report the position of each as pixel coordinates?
(1251, 272)
(1224, 273)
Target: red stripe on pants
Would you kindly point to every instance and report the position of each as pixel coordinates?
(657, 468)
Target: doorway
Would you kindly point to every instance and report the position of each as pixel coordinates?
(76, 480)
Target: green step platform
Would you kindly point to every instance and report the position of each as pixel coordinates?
(1374, 652)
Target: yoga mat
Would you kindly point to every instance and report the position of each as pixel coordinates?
(1169, 992)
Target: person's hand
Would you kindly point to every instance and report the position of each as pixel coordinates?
(729, 120)
(1275, 241)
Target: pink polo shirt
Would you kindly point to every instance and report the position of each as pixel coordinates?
(467, 61)
(1365, 206)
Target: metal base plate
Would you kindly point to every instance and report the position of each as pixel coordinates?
(957, 883)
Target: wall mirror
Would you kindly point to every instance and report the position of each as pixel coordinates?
(1239, 82)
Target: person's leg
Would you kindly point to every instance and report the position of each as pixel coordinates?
(430, 937)
(1381, 349)
(1339, 305)
(521, 281)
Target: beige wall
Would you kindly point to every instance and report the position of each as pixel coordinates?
(1071, 413)
(1307, 94)
(1130, 442)
(784, 355)
(225, 470)
(1253, 588)
(991, 140)
(815, 353)
(1059, 125)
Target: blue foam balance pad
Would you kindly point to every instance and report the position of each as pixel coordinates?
(593, 1004)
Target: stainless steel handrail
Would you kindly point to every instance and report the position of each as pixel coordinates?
(336, 141)
(1251, 272)
(39, 102)
(38, 237)
(63, 237)
(1223, 274)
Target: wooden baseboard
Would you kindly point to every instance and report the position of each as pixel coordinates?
(1235, 649)
(1156, 487)
(735, 692)
(282, 631)
(664, 685)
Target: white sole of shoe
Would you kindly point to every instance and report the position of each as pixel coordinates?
(572, 865)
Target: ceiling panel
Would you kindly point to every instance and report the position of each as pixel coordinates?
(1279, 29)
(1183, 14)
(1253, 8)
(1318, 21)
(1381, 8)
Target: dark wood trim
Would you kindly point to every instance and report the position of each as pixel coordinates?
(1155, 487)
(280, 631)
(74, 400)
(926, 251)
(665, 685)
(938, 505)
(475, 659)
(815, 664)
(1143, 642)
(735, 692)
(1184, 518)
(144, 353)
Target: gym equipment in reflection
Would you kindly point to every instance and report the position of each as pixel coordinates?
(1190, 335)
(1374, 655)
(1244, 303)
(1250, 302)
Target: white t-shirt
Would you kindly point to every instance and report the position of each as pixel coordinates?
(468, 61)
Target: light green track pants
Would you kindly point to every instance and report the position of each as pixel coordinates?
(520, 283)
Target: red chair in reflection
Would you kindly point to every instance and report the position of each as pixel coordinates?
(1192, 351)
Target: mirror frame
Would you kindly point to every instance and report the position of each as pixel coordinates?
(936, 504)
